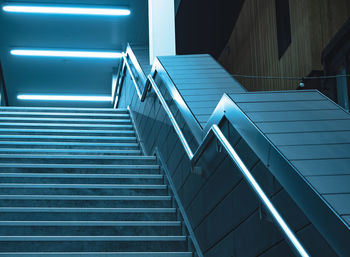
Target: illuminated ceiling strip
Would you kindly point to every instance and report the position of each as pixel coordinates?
(65, 98)
(66, 10)
(58, 53)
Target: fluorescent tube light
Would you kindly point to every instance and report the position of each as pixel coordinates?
(66, 10)
(65, 98)
(57, 53)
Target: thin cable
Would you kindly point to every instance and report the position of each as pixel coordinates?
(289, 78)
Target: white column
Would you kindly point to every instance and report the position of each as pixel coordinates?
(161, 15)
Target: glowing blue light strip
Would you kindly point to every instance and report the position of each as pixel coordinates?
(66, 10)
(259, 191)
(57, 53)
(65, 98)
(114, 84)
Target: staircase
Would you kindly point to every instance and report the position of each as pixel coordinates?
(74, 182)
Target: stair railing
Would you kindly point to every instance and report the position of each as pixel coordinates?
(4, 98)
(215, 132)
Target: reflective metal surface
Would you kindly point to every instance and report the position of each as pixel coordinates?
(213, 130)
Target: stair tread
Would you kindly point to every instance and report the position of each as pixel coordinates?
(68, 131)
(66, 125)
(68, 150)
(58, 195)
(96, 186)
(2, 118)
(68, 137)
(90, 223)
(39, 156)
(64, 108)
(93, 210)
(66, 114)
(65, 143)
(101, 254)
(63, 175)
(93, 238)
(84, 197)
(85, 166)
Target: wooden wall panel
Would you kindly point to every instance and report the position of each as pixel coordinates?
(253, 49)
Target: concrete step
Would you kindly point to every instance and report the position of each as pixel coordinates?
(64, 120)
(69, 145)
(60, 138)
(87, 214)
(90, 228)
(82, 126)
(73, 182)
(92, 243)
(68, 132)
(135, 191)
(101, 254)
(53, 152)
(96, 201)
(39, 114)
(77, 159)
(64, 178)
(78, 168)
(64, 110)
(83, 189)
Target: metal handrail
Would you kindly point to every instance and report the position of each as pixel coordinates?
(215, 131)
(3, 86)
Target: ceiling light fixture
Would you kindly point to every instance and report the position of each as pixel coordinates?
(58, 53)
(65, 98)
(66, 10)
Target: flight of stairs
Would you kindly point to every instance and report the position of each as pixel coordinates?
(74, 182)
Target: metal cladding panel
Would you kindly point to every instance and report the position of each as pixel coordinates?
(142, 55)
(200, 79)
(340, 201)
(311, 132)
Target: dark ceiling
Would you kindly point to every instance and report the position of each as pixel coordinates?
(205, 26)
(66, 75)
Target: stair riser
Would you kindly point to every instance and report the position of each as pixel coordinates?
(113, 127)
(64, 110)
(69, 120)
(61, 139)
(70, 115)
(58, 189)
(38, 180)
(62, 132)
(92, 160)
(93, 246)
(87, 216)
(53, 152)
(101, 254)
(87, 203)
(90, 230)
(80, 170)
(117, 146)
(71, 191)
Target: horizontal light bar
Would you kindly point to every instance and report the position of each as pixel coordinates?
(57, 53)
(65, 98)
(66, 10)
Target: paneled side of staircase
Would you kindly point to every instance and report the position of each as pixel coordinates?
(74, 182)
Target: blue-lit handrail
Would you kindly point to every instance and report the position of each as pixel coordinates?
(215, 131)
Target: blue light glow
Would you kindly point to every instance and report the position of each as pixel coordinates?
(66, 10)
(65, 98)
(57, 53)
